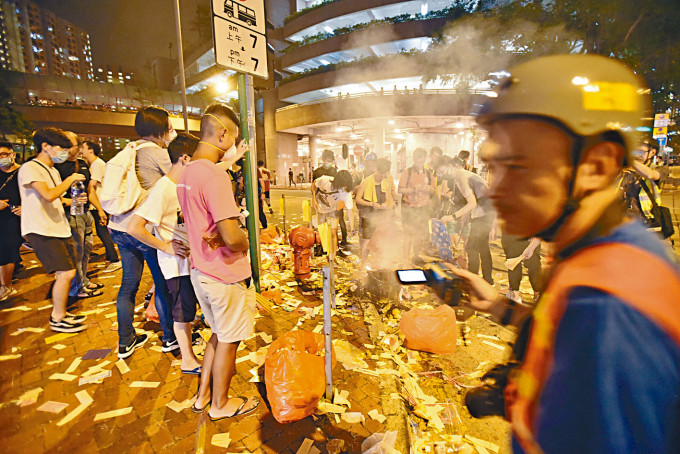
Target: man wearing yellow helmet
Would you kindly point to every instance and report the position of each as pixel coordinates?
(601, 370)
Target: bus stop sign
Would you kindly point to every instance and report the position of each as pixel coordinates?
(239, 36)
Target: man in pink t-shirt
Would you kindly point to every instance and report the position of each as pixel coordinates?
(220, 270)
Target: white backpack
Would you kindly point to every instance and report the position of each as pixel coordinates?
(121, 189)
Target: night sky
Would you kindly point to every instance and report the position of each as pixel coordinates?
(129, 33)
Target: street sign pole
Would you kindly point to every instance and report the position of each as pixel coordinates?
(240, 44)
(180, 56)
(247, 107)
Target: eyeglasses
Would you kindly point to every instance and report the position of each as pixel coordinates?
(6, 155)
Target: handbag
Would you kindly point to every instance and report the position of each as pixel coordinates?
(661, 214)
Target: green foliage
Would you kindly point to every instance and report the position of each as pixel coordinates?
(451, 13)
(13, 122)
(306, 10)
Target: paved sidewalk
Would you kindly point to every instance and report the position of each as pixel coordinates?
(29, 360)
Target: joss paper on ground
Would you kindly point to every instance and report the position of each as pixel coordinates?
(30, 397)
(97, 354)
(52, 407)
(220, 440)
(112, 414)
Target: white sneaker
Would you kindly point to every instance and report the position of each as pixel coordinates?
(115, 266)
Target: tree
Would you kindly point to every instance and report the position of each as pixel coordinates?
(643, 34)
(12, 122)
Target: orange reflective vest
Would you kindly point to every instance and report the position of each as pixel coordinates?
(635, 276)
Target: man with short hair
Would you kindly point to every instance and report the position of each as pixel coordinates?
(291, 180)
(90, 152)
(416, 186)
(600, 362)
(327, 168)
(376, 194)
(44, 223)
(220, 271)
(331, 195)
(82, 224)
(435, 154)
(464, 156)
(477, 209)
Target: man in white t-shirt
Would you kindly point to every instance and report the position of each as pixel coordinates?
(90, 152)
(44, 223)
(330, 195)
(161, 210)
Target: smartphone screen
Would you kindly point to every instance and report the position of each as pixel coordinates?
(411, 276)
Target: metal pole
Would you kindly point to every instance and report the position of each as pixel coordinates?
(285, 231)
(328, 358)
(331, 267)
(247, 110)
(180, 56)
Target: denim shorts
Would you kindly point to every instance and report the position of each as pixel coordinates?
(182, 299)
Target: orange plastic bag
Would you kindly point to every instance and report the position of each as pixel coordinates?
(270, 235)
(430, 330)
(275, 295)
(294, 375)
(151, 313)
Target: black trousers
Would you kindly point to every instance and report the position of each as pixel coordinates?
(343, 226)
(103, 234)
(263, 217)
(513, 247)
(477, 247)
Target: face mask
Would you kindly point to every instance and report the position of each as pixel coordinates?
(230, 153)
(327, 165)
(60, 157)
(6, 162)
(171, 136)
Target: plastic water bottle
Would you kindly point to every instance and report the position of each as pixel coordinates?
(77, 190)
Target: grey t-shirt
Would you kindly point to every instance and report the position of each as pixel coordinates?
(152, 163)
(469, 183)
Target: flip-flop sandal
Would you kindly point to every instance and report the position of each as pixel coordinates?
(196, 371)
(91, 294)
(240, 411)
(199, 410)
(97, 286)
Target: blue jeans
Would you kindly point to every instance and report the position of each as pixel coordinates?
(133, 254)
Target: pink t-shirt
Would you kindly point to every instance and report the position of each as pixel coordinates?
(206, 197)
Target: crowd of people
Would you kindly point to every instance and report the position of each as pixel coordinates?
(57, 200)
(598, 368)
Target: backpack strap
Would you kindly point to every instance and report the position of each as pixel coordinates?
(46, 169)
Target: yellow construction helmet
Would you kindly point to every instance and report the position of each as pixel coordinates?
(587, 94)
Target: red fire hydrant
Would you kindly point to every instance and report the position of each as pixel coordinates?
(302, 239)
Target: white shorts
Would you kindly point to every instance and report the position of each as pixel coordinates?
(229, 309)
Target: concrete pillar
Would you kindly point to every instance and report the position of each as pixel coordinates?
(379, 139)
(314, 151)
(269, 103)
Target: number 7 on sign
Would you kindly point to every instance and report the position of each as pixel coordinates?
(256, 62)
(254, 39)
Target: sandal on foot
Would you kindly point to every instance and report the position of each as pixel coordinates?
(240, 411)
(89, 294)
(97, 286)
(196, 371)
(195, 409)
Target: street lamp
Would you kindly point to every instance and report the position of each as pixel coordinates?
(222, 86)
